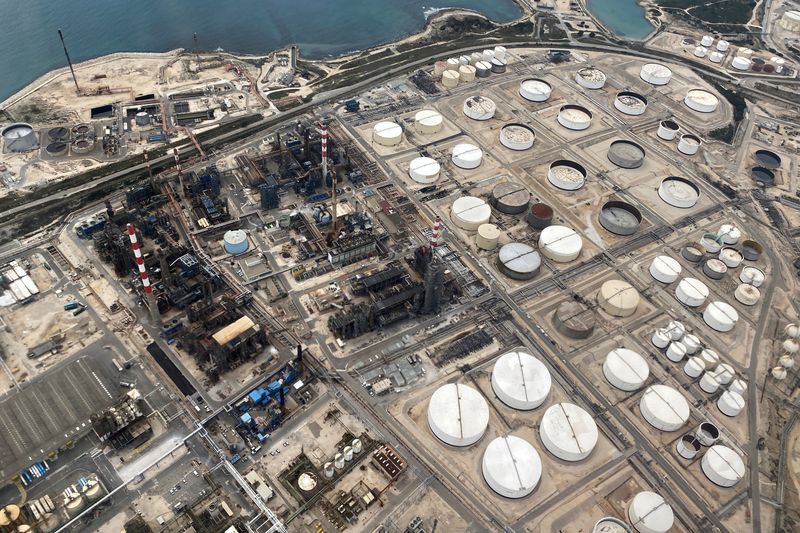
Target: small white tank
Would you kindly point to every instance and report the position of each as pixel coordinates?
(661, 338)
(730, 403)
(692, 344)
(694, 367)
(741, 63)
(676, 330)
(500, 52)
(706, 41)
(786, 361)
(710, 357)
(668, 130)
(791, 346)
(676, 351)
(746, 294)
(779, 373)
(453, 63)
(716, 57)
(707, 433)
(463, 60)
(725, 373)
(709, 382)
(730, 234)
(338, 461)
(688, 446)
(791, 331)
(752, 276)
(700, 51)
(348, 453)
(466, 73)
(488, 55)
(722, 45)
(328, 470)
(689, 144)
(738, 386)
(487, 236)
(357, 446)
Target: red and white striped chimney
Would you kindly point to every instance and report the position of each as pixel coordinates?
(436, 234)
(148, 289)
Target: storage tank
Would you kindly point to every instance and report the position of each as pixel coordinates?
(707, 433)
(387, 133)
(679, 192)
(661, 338)
(453, 63)
(707, 40)
(715, 269)
(741, 63)
(500, 52)
(511, 466)
(521, 381)
(568, 432)
(664, 408)
(688, 446)
(729, 233)
(723, 466)
(746, 294)
(463, 60)
(510, 198)
(618, 298)
(517, 136)
(467, 156)
(450, 79)
(648, 512)
(730, 403)
(720, 316)
(752, 250)
(689, 144)
(692, 343)
(676, 330)
(483, 69)
(438, 68)
(428, 122)
(668, 129)
(328, 470)
(626, 154)
(701, 101)
(694, 367)
(691, 292)
(487, 236)
(738, 386)
(692, 254)
(56, 148)
(609, 524)
(475, 57)
(725, 373)
(348, 453)
(424, 170)
(700, 51)
(716, 57)
(790, 346)
(710, 357)
(519, 261)
(723, 45)
(574, 320)
(655, 74)
(338, 461)
(479, 108)
(676, 351)
(786, 361)
(357, 446)
(458, 415)
(590, 78)
(626, 369)
(791, 331)
(711, 243)
(778, 373)
(630, 103)
(466, 73)
(469, 213)
(236, 242)
(74, 505)
(731, 257)
(488, 55)
(58, 133)
(560, 243)
(498, 65)
(93, 490)
(19, 137)
(620, 218)
(142, 118)
(9, 514)
(566, 175)
(540, 216)
(574, 117)
(535, 90)
(665, 269)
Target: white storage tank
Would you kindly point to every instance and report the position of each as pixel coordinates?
(328, 470)
(519, 261)
(469, 213)
(679, 192)
(517, 136)
(665, 269)
(467, 156)
(357, 446)
(498, 65)
(458, 415)
(716, 57)
(691, 292)
(488, 55)
(676, 330)
(626, 369)
(664, 408)
(618, 298)
(450, 79)
(792, 331)
(723, 466)
(236, 242)
(479, 108)
(738, 386)
(688, 446)
(692, 343)
(511, 466)
(347, 451)
(689, 144)
(566, 175)
(720, 316)
(747, 294)
(535, 90)
(475, 57)
(725, 373)
(338, 461)
(655, 74)
(729, 233)
(387, 133)
(560, 243)
(700, 51)
(574, 117)
(786, 361)
(710, 357)
(731, 257)
(483, 69)
(694, 367)
(590, 78)
(661, 338)
(668, 130)
(500, 52)
(707, 433)
(424, 170)
(701, 101)
(463, 60)
(521, 381)
(453, 63)
(648, 512)
(741, 63)
(722, 45)
(709, 382)
(676, 351)
(730, 403)
(487, 237)
(630, 103)
(568, 432)
(711, 243)
(466, 73)
(428, 122)
(707, 40)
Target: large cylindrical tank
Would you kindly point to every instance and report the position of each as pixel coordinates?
(630, 103)
(689, 144)
(498, 65)
(453, 63)
(540, 216)
(458, 415)
(741, 63)
(691, 292)
(692, 343)
(517, 136)
(535, 90)
(500, 52)
(626, 154)
(519, 261)
(387, 133)
(520, 380)
(650, 513)
(618, 298)
(574, 117)
(655, 74)
(729, 234)
(487, 236)
(716, 57)
(424, 170)
(470, 212)
(467, 156)
(450, 79)
(668, 129)
(93, 490)
(479, 108)
(590, 78)
(236, 242)
(483, 69)
(626, 369)
(428, 122)
(511, 467)
(19, 137)
(83, 145)
(710, 357)
(566, 175)
(700, 51)
(720, 316)
(701, 101)
(723, 45)
(706, 41)
(707, 433)
(568, 432)
(665, 269)
(510, 198)
(723, 466)
(664, 408)
(676, 330)
(560, 243)
(574, 320)
(752, 250)
(620, 218)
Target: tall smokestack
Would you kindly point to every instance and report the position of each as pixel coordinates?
(69, 61)
(155, 316)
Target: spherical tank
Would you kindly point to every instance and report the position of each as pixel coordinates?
(467, 156)
(236, 242)
(19, 137)
(620, 218)
(701, 101)
(655, 74)
(521, 381)
(664, 408)
(715, 269)
(746, 294)
(720, 316)
(679, 192)
(791, 346)
(648, 512)
(517, 136)
(730, 403)
(791, 330)
(519, 261)
(626, 154)
(511, 466)
(535, 90)
(560, 243)
(487, 237)
(668, 129)
(618, 298)
(428, 122)
(626, 369)
(566, 175)
(574, 319)
(510, 198)
(387, 133)
(450, 78)
(479, 108)
(568, 432)
(691, 292)
(466, 73)
(752, 250)
(469, 213)
(540, 216)
(590, 78)
(689, 144)
(458, 415)
(424, 170)
(665, 269)
(630, 103)
(574, 117)
(723, 466)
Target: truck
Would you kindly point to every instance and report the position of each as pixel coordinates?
(69, 306)
(79, 310)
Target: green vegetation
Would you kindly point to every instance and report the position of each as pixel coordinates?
(727, 16)
(364, 59)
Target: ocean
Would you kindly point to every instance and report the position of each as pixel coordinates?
(322, 28)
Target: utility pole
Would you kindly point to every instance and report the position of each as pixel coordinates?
(69, 61)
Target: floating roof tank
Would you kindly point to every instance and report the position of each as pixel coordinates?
(752, 250)
(648, 512)
(609, 524)
(679, 192)
(668, 129)
(487, 236)
(510, 198)
(566, 175)
(560, 243)
(691, 292)
(236, 242)
(626, 369)
(467, 156)
(729, 233)
(655, 74)
(767, 159)
(517, 136)
(618, 298)
(540, 216)
(689, 144)
(521, 381)
(665, 269)
(730, 403)
(664, 408)
(731, 257)
(590, 78)
(535, 90)
(715, 269)
(746, 294)
(519, 261)
(511, 466)
(479, 108)
(692, 254)
(707, 433)
(568, 432)
(458, 415)
(688, 446)
(720, 316)
(470, 212)
(723, 466)
(574, 320)
(701, 101)
(424, 170)
(574, 117)
(19, 137)
(428, 122)
(711, 243)
(626, 154)
(620, 218)
(630, 103)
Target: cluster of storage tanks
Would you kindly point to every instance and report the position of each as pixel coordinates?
(465, 69)
(458, 415)
(745, 60)
(713, 52)
(342, 458)
(790, 348)
(688, 143)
